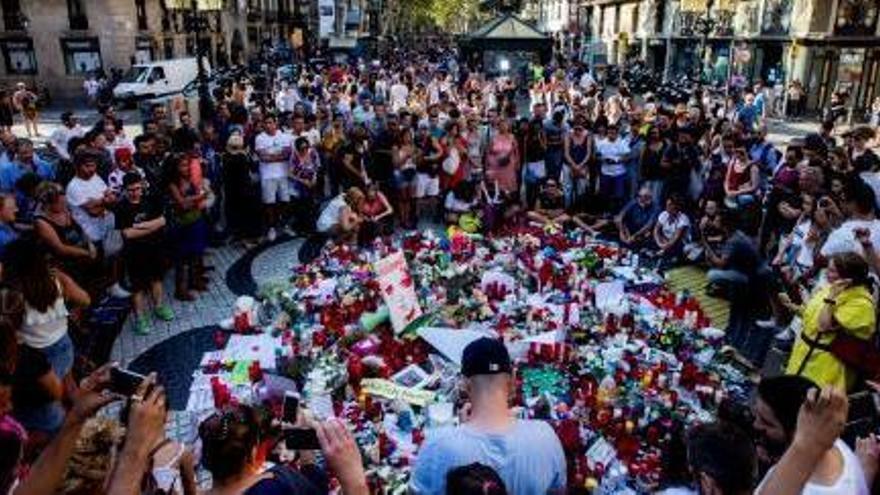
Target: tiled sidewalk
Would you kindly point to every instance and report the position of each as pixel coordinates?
(208, 309)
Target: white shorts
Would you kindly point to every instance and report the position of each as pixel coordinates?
(275, 190)
(427, 186)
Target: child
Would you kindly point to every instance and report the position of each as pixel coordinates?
(124, 165)
(460, 201)
(710, 230)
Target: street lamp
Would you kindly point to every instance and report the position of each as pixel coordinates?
(698, 19)
(196, 20)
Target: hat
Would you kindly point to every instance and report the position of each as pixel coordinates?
(485, 356)
(122, 155)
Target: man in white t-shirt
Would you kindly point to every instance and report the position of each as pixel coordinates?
(798, 428)
(273, 147)
(69, 129)
(613, 151)
(90, 201)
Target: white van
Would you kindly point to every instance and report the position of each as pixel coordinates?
(159, 78)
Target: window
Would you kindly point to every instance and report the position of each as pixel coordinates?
(143, 50)
(635, 19)
(191, 46)
(77, 15)
(13, 18)
(856, 18)
(169, 47)
(140, 7)
(19, 56)
(81, 55)
(157, 75)
(660, 17)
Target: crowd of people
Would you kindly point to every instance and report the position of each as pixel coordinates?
(349, 153)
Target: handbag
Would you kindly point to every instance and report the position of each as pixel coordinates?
(858, 354)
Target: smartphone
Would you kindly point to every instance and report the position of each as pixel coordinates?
(125, 382)
(290, 408)
(301, 439)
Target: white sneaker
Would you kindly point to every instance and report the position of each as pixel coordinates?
(768, 323)
(118, 292)
(785, 335)
(271, 235)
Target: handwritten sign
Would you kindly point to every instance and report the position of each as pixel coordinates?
(390, 390)
(397, 290)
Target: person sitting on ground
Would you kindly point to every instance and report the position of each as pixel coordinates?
(526, 454)
(635, 223)
(377, 214)
(549, 211)
(737, 263)
(460, 201)
(340, 219)
(742, 180)
(670, 231)
(835, 469)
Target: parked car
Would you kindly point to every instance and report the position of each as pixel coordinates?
(156, 79)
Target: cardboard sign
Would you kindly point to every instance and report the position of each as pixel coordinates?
(390, 390)
(397, 290)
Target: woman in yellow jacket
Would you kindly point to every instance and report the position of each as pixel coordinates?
(844, 305)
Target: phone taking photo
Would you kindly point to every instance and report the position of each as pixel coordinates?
(125, 382)
(301, 439)
(290, 408)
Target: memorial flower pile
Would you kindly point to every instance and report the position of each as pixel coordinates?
(604, 351)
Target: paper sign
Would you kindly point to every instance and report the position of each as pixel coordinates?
(397, 290)
(449, 341)
(609, 295)
(321, 406)
(390, 390)
(240, 373)
(519, 349)
(601, 452)
(252, 348)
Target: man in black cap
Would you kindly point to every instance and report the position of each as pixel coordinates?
(526, 454)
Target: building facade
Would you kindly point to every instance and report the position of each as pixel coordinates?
(56, 44)
(827, 45)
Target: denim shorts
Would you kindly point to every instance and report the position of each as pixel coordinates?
(60, 355)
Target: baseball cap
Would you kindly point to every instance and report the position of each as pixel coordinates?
(485, 356)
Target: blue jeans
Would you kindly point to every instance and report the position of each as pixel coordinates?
(60, 356)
